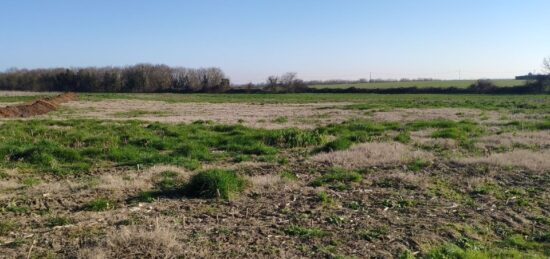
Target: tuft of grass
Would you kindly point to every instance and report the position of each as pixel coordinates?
(289, 176)
(418, 164)
(99, 204)
(281, 119)
(215, 183)
(403, 137)
(30, 181)
(291, 138)
(373, 234)
(295, 230)
(337, 144)
(324, 198)
(337, 178)
(140, 113)
(57, 221)
(6, 227)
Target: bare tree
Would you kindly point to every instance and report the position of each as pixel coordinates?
(546, 65)
(288, 78)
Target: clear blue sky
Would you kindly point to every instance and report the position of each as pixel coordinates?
(251, 39)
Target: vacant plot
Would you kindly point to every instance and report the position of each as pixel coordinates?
(289, 175)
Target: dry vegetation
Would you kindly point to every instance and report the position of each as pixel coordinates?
(118, 177)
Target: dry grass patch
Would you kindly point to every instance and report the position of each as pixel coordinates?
(455, 114)
(158, 241)
(266, 183)
(252, 115)
(372, 154)
(530, 138)
(536, 161)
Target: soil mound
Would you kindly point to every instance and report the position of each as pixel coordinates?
(38, 107)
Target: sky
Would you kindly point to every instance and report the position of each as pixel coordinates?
(252, 39)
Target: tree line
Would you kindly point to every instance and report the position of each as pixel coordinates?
(137, 78)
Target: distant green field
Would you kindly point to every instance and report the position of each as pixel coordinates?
(423, 84)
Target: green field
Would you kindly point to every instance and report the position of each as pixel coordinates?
(422, 84)
(328, 175)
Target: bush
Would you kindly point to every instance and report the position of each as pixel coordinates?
(215, 183)
(483, 85)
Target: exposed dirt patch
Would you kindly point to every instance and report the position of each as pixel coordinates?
(38, 107)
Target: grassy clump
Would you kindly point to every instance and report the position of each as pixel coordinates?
(57, 221)
(418, 164)
(403, 137)
(289, 176)
(291, 138)
(99, 204)
(6, 227)
(215, 183)
(374, 233)
(295, 230)
(337, 144)
(337, 178)
(324, 198)
(281, 119)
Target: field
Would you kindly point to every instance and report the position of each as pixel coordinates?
(423, 84)
(277, 175)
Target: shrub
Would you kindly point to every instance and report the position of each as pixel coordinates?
(483, 85)
(215, 183)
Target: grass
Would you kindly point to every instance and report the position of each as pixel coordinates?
(6, 227)
(79, 146)
(422, 84)
(215, 183)
(99, 204)
(281, 119)
(374, 233)
(140, 113)
(296, 230)
(57, 221)
(362, 101)
(337, 178)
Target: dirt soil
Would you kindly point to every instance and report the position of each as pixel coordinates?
(38, 107)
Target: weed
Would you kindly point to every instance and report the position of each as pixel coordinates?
(215, 183)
